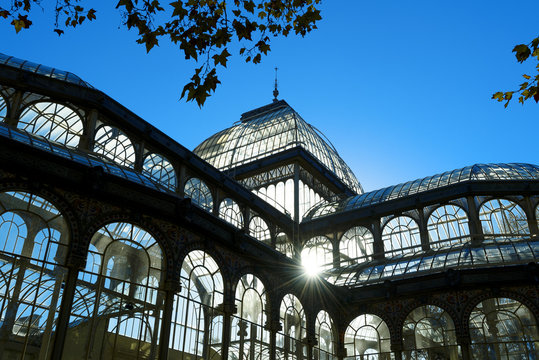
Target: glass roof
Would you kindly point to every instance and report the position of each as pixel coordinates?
(468, 173)
(79, 157)
(491, 253)
(42, 70)
(269, 130)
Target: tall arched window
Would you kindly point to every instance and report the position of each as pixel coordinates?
(249, 339)
(231, 212)
(367, 337)
(54, 121)
(448, 225)
(356, 246)
(429, 333)
(3, 108)
(324, 350)
(197, 329)
(33, 245)
(159, 169)
(112, 143)
(501, 218)
(199, 193)
(317, 255)
(117, 304)
(259, 230)
(502, 328)
(401, 236)
(289, 339)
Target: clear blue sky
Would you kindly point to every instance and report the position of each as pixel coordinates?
(401, 88)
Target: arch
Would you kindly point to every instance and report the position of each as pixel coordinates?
(317, 255)
(196, 328)
(259, 230)
(448, 225)
(199, 193)
(401, 236)
(3, 108)
(324, 332)
(113, 144)
(54, 121)
(34, 241)
(429, 332)
(502, 218)
(158, 168)
(368, 334)
(503, 328)
(356, 245)
(289, 339)
(118, 300)
(249, 339)
(231, 212)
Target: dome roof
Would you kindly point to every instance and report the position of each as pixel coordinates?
(269, 130)
(469, 173)
(42, 70)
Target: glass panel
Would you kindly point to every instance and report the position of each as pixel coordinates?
(199, 193)
(159, 169)
(34, 239)
(367, 337)
(53, 121)
(114, 145)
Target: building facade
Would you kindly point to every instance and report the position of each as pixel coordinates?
(116, 242)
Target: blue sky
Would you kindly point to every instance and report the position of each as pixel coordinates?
(402, 89)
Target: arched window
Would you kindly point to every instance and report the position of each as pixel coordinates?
(259, 230)
(199, 193)
(117, 304)
(283, 245)
(429, 333)
(367, 336)
(196, 325)
(112, 143)
(502, 328)
(501, 218)
(33, 245)
(3, 108)
(231, 213)
(54, 121)
(324, 350)
(401, 236)
(317, 255)
(249, 339)
(448, 225)
(356, 246)
(289, 339)
(159, 169)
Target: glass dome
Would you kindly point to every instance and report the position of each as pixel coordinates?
(269, 130)
(42, 70)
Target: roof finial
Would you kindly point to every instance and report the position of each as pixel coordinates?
(275, 91)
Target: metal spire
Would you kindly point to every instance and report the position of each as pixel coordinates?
(275, 91)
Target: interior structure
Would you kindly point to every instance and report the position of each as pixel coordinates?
(116, 242)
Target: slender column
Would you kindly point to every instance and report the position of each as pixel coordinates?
(75, 262)
(378, 245)
(273, 326)
(476, 232)
(310, 342)
(396, 348)
(464, 343)
(423, 233)
(227, 309)
(13, 118)
(139, 156)
(217, 196)
(87, 139)
(182, 178)
(171, 288)
(336, 251)
(532, 222)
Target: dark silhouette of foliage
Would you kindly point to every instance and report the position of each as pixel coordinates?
(202, 29)
(529, 88)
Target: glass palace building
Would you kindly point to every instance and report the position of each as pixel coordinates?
(116, 242)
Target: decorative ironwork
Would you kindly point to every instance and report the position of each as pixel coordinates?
(159, 169)
(114, 145)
